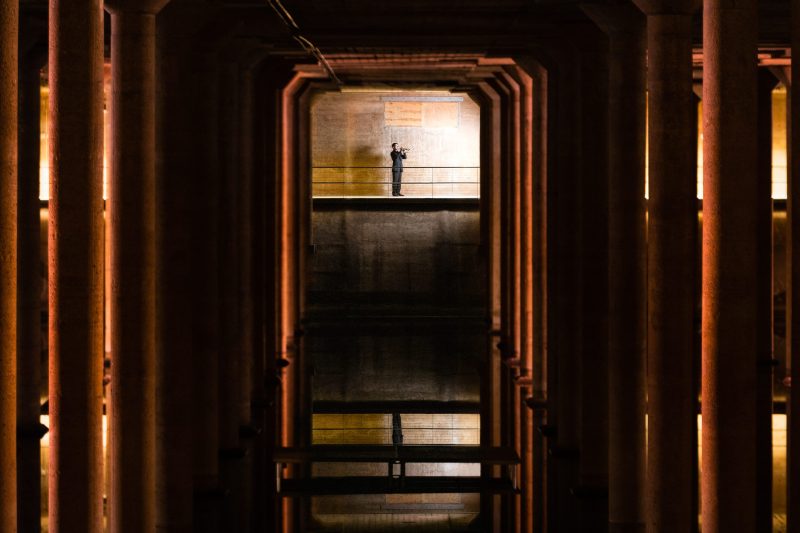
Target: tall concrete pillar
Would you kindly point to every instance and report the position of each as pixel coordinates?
(489, 101)
(9, 34)
(529, 269)
(175, 194)
(793, 281)
(273, 76)
(672, 220)
(564, 343)
(75, 243)
(542, 164)
(29, 276)
(511, 280)
(730, 266)
(508, 341)
(204, 212)
(131, 221)
(766, 83)
(592, 490)
(247, 292)
(228, 250)
(286, 257)
(231, 343)
(625, 27)
(262, 407)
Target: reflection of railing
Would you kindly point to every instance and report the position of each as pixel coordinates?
(387, 453)
(426, 182)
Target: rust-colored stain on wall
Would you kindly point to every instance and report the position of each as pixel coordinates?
(422, 114)
(403, 113)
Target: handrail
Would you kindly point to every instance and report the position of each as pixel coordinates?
(389, 166)
(376, 181)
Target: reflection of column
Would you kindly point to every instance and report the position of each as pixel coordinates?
(76, 266)
(625, 28)
(131, 219)
(766, 83)
(9, 26)
(29, 288)
(730, 245)
(672, 213)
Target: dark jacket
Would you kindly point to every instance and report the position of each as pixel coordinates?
(397, 159)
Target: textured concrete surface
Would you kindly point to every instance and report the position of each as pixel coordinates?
(419, 261)
(357, 129)
(395, 313)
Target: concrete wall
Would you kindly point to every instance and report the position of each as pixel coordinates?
(396, 304)
(396, 313)
(419, 260)
(353, 133)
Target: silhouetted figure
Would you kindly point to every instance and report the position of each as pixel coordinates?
(397, 154)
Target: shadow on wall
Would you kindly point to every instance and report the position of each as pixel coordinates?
(370, 181)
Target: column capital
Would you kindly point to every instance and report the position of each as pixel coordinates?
(615, 19)
(667, 7)
(142, 7)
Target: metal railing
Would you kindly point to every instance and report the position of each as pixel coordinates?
(376, 182)
(386, 428)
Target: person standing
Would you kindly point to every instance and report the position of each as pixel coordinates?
(397, 154)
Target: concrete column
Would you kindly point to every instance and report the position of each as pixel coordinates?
(75, 243)
(593, 476)
(262, 408)
(564, 272)
(542, 165)
(131, 220)
(730, 267)
(175, 193)
(489, 101)
(247, 292)
(793, 281)
(9, 34)
(205, 214)
(527, 252)
(625, 27)
(671, 251)
(766, 83)
(295, 206)
(273, 76)
(33, 55)
(508, 343)
(510, 146)
(228, 250)
(232, 455)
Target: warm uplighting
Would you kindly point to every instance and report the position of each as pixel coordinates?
(779, 164)
(44, 143)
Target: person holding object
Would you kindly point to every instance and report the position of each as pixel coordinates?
(397, 154)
